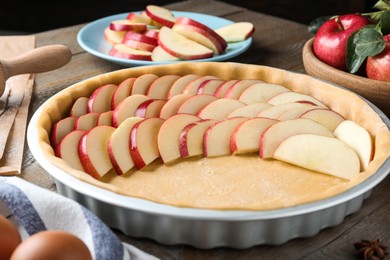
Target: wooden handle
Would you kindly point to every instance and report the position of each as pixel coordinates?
(38, 60)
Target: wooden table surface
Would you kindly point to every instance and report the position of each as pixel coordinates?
(276, 42)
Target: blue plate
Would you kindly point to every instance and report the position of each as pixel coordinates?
(91, 39)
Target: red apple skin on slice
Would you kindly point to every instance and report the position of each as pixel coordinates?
(93, 152)
(142, 83)
(80, 107)
(61, 129)
(277, 110)
(127, 108)
(290, 96)
(261, 92)
(67, 149)
(113, 37)
(173, 104)
(153, 33)
(122, 91)
(216, 139)
(182, 47)
(278, 132)
(138, 18)
(100, 99)
(251, 110)
(159, 54)
(160, 15)
(169, 136)
(150, 108)
(87, 121)
(193, 86)
(180, 84)
(122, 51)
(223, 88)
(236, 32)
(195, 103)
(126, 25)
(160, 87)
(143, 141)
(240, 86)
(319, 153)
(246, 136)
(118, 146)
(191, 138)
(327, 117)
(219, 109)
(210, 86)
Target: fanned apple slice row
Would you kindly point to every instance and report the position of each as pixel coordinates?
(327, 117)
(236, 32)
(261, 92)
(93, 151)
(150, 108)
(278, 132)
(87, 121)
(182, 47)
(142, 83)
(223, 88)
(359, 139)
(191, 138)
(160, 87)
(219, 109)
(323, 154)
(80, 107)
(290, 96)
(251, 110)
(193, 86)
(61, 129)
(119, 146)
(159, 54)
(195, 103)
(67, 149)
(216, 139)
(105, 118)
(122, 91)
(169, 136)
(180, 84)
(210, 86)
(160, 15)
(173, 104)
(240, 86)
(246, 137)
(294, 113)
(101, 99)
(277, 110)
(127, 108)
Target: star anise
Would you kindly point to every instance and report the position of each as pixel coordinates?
(370, 250)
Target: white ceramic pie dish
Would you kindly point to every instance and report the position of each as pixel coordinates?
(201, 228)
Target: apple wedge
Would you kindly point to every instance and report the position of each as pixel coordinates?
(169, 136)
(138, 18)
(127, 108)
(277, 110)
(173, 104)
(359, 139)
(159, 54)
(113, 37)
(195, 103)
(278, 132)
(261, 92)
(61, 129)
(246, 136)
(123, 51)
(236, 90)
(210, 86)
(193, 86)
(150, 108)
(180, 84)
(179, 46)
(290, 96)
(93, 152)
(139, 41)
(216, 139)
(327, 117)
(319, 153)
(122, 91)
(142, 83)
(80, 107)
(223, 88)
(160, 87)
(294, 113)
(191, 138)
(151, 32)
(67, 149)
(251, 110)
(161, 15)
(236, 32)
(118, 146)
(219, 109)
(87, 121)
(105, 118)
(127, 25)
(101, 99)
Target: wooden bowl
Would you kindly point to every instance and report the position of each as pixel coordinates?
(378, 92)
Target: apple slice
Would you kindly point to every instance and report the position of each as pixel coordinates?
(160, 87)
(219, 109)
(113, 37)
(236, 32)
(246, 136)
(151, 32)
(61, 129)
(223, 88)
(159, 54)
(80, 107)
(290, 96)
(277, 133)
(142, 83)
(173, 104)
(160, 15)
(127, 108)
(209, 86)
(179, 46)
(195, 103)
(277, 110)
(294, 113)
(93, 152)
(123, 51)
(100, 99)
(319, 153)
(193, 86)
(122, 91)
(359, 139)
(139, 41)
(67, 149)
(261, 92)
(251, 110)
(150, 108)
(191, 138)
(169, 136)
(138, 18)
(327, 117)
(216, 139)
(180, 84)
(127, 25)
(235, 90)
(87, 121)
(118, 146)
(105, 118)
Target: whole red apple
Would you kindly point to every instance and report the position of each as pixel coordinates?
(378, 66)
(331, 38)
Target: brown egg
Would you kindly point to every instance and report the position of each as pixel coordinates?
(52, 245)
(9, 238)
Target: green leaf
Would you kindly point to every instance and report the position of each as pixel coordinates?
(385, 22)
(315, 24)
(382, 5)
(353, 61)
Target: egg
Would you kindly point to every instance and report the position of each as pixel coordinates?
(52, 245)
(9, 238)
